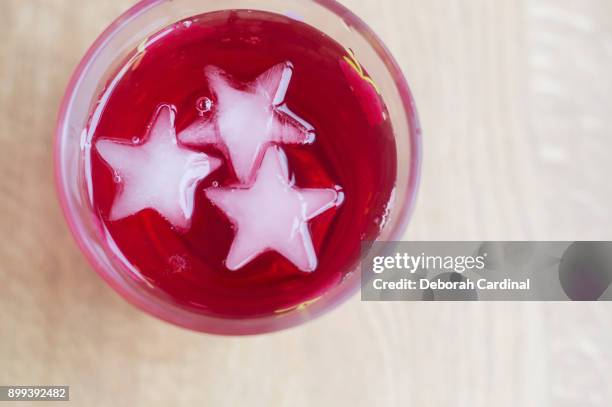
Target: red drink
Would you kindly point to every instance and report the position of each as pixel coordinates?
(353, 149)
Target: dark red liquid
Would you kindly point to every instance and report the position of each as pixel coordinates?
(354, 148)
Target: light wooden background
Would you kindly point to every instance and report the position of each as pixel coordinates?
(515, 102)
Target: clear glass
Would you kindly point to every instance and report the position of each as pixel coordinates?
(126, 33)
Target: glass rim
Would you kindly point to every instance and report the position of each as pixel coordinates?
(256, 325)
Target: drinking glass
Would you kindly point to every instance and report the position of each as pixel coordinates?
(96, 69)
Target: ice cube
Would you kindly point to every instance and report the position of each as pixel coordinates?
(247, 118)
(272, 214)
(158, 173)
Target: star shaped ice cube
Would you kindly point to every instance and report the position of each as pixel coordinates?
(247, 118)
(272, 214)
(159, 173)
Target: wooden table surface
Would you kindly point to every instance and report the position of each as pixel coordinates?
(514, 97)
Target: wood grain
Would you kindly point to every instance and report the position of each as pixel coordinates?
(514, 98)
